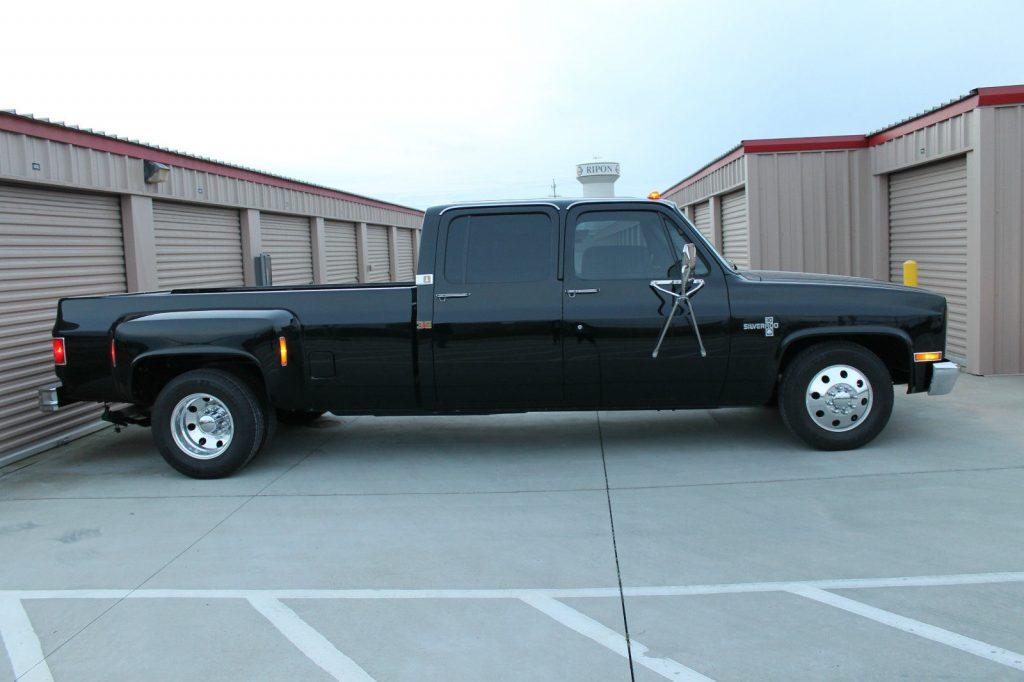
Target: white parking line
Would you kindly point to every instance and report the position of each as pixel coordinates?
(26, 655)
(520, 593)
(310, 642)
(22, 644)
(608, 638)
(914, 627)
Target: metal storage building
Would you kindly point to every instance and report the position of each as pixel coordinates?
(77, 217)
(943, 188)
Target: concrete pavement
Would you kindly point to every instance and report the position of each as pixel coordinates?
(482, 548)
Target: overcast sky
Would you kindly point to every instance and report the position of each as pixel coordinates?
(431, 101)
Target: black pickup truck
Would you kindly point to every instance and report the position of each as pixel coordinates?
(610, 304)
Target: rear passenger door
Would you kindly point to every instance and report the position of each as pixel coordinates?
(497, 309)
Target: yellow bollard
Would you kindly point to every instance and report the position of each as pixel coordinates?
(910, 273)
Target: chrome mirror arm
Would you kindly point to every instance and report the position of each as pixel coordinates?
(697, 285)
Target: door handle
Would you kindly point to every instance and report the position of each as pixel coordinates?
(445, 297)
(573, 293)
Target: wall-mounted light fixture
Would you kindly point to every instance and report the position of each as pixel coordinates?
(155, 172)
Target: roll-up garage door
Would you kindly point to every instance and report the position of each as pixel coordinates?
(735, 234)
(928, 223)
(378, 255)
(197, 246)
(287, 240)
(342, 252)
(52, 244)
(702, 220)
(405, 248)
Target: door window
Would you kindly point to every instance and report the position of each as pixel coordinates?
(491, 248)
(621, 245)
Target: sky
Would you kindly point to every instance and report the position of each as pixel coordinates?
(427, 102)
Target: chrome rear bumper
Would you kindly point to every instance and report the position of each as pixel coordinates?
(49, 401)
(944, 376)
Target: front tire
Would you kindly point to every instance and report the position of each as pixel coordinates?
(836, 396)
(208, 423)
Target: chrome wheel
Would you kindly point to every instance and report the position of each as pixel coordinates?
(838, 398)
(201, 426)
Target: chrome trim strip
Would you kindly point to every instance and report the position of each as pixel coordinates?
(496, 204)
(944, 376)
(619, 200)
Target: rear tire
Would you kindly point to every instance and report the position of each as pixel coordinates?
(836, 396)
(208, 423)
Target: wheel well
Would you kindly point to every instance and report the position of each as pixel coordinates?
(151, 374)
(891, 350)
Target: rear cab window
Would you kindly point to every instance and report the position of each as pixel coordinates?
(500, 248)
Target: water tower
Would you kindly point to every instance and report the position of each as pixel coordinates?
(598, 178)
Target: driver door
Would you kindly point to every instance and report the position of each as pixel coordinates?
(613, 316)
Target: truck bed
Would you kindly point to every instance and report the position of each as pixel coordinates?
(365, 332)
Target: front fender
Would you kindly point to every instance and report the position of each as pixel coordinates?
(840, 331)
(205, 336)
(917, 375)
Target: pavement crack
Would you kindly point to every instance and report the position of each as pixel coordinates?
(615, 549)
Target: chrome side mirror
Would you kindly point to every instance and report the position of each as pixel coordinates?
(687, 263)
(690, 257)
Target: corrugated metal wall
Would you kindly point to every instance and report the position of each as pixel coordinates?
(342, 254)
(91, 169)
(928, 223)
(197, 246)
(940, 139)
(728, 177)
(702, 220)
(1005, 165)
(378, 254)
(52, 244)
(735, 230)
(812, 212)
(289, 242)
(406, 247)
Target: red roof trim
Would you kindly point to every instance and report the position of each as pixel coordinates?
(804, 144)
(1002, 94)
(58, 133)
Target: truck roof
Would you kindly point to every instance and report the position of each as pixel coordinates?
(560, 203)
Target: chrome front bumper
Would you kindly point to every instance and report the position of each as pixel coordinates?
(48, 399)
(944, 376)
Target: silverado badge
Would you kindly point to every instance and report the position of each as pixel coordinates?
(769, 326)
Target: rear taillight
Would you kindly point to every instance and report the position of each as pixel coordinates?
(59, 355)
(113, 354)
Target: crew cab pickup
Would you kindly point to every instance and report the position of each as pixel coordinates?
(594, 304)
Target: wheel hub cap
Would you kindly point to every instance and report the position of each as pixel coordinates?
(201, 426)
(838, 398)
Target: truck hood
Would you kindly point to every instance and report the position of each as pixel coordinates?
(815, 278)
